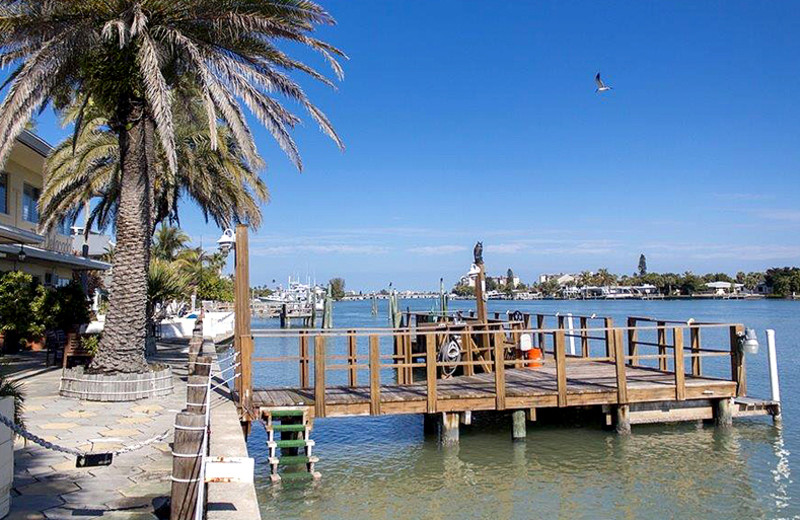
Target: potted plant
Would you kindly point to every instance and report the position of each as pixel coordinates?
(64, 308)
(11, 400)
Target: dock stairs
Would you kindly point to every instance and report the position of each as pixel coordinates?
(292, 450)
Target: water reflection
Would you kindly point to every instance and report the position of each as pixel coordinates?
(386, 469)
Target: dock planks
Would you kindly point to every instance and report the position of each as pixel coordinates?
(588, 383)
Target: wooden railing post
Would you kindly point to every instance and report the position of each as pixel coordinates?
(374, 375)
(352, 358)
(662, 346)
(305, 380)
(633, 336)
(540, 326)
(584, 337)
(680, 368)
(559, 342)
(319, 376)
(738, 372)
(697, 365)
(610, 351)
(408, 358)
(619, 360)
(499, 371)
(467, 345)
(430, 370)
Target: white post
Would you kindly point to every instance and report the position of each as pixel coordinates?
(571, 334)
(773, 366)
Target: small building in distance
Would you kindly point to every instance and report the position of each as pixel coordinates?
(724, 288)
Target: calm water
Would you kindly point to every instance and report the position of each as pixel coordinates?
(385, 468)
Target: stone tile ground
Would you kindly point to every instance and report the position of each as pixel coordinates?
(48, 485)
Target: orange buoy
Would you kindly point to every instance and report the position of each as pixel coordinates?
(534, 358)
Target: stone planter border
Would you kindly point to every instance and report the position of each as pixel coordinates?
(77, 384)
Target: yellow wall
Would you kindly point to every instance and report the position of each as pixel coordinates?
(25, 166)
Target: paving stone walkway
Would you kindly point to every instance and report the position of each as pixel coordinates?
(48, 485)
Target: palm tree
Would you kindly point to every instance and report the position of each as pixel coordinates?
(135, 60)
(168, 242)
(86, 168)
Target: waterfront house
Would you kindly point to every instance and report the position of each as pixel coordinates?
(49, 256)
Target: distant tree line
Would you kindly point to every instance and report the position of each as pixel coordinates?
(782, 281)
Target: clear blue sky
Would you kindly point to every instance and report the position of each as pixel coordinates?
(469, 120)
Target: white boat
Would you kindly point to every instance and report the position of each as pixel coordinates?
(297, 293)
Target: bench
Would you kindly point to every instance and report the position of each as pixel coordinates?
(54, 342)
(74, 348)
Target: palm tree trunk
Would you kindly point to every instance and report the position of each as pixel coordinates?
(122, 347)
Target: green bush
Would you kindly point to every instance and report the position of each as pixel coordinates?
(59, 308)
(17, 293)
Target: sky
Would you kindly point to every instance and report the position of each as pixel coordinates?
(467, 120)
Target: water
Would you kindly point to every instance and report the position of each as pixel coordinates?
(385, 468)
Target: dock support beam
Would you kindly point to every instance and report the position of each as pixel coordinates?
(623, 423)
(448, 434)
(430, 424)
(518, 426)
(723, 412)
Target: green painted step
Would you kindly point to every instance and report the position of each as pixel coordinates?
(297, 475)
(286, 413)
(291, 443)
(293, 459)
(289, 427)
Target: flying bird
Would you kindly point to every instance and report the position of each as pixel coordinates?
(601, 87)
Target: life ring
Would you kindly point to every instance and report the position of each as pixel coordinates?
(450, 352)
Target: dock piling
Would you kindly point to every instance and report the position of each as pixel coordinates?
(723, 412)
(518, 432)
(187, 460)
(623, 422)
(448, 434)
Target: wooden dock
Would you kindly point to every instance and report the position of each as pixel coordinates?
(611, 367)
(448, 366)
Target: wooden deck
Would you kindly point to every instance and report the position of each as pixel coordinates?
(588, 382)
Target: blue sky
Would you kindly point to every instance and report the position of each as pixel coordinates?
(469, 120)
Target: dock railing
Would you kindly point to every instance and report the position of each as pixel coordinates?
(493, 347)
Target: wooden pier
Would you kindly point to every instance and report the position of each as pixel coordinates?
(650, 370)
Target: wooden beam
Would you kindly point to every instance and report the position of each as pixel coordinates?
(430, 370)
(374, 375)
(540, 326)
(499, 371)
(619, 360)
(609, 324)
(352, 358)
(680, 369)
(480, 305)
(633, 335)
(697, 365)
(561, 367)
(319, 376)
(242, 317)
(662, 346)
(738, 372)
(584, 337)
(468, 347)
(305, 380)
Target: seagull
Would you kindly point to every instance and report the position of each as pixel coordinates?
(601, 87)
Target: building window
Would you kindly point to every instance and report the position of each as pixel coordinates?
(63, 227)
(30, 201)
(4, 193)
